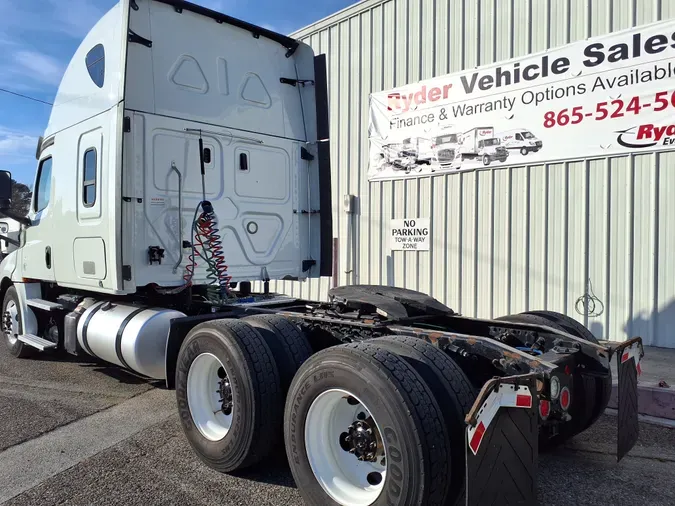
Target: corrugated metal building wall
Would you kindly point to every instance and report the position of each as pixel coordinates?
(504, 240)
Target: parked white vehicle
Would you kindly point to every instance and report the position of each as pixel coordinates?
(481, 143)
(521, 140)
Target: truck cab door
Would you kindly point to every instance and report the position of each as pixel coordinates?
(38, 261)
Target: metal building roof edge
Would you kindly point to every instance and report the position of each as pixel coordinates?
(335, 18)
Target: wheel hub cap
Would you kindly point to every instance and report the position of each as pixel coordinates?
(10, 322)
(360, 440)
(225, 392)
(7, 322)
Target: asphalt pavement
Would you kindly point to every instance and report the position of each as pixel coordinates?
(83, 433)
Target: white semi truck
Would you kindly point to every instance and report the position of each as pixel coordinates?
(186, 156)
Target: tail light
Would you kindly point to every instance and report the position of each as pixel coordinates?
(565, 398)
(544, 408)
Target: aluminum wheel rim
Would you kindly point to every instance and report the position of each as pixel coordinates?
(204, 397)
(11, 316)
(341, 475)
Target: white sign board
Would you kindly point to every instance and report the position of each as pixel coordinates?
(410, 235)
(597, 97)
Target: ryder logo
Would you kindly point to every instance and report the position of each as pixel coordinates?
(400, 103)
(646, 136)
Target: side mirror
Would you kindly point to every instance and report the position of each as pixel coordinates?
(5, 189)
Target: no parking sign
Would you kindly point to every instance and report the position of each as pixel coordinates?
(410, 235)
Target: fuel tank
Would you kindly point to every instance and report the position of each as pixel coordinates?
(129, 336)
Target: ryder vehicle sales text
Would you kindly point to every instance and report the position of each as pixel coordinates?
(504, 76)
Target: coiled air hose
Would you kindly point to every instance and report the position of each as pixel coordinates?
(207, 245)
(207, 236)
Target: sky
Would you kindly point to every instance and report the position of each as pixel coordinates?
(38, 38)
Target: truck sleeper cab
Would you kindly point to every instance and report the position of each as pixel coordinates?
(188, 156)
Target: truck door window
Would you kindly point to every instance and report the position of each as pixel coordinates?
(95, 61)
(519, 137)
(44, 185)
(89, 178)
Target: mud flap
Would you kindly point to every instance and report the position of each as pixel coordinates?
(502, 443)
(628, 357)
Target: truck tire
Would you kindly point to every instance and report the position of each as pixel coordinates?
(603, 385)
(524, 151)
(486, 160)
(584, 390)
(289, 346)
(453, 392)
(358, 400)
(228, 394)
(12, 326)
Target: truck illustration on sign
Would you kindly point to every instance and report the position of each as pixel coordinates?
(446, 147)
(481, 143)
(520, 139)
(411, 153)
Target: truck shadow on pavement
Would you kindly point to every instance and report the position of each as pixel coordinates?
(124, 376)
(96, 365)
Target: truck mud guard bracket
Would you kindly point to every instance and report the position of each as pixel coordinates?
(502, 445)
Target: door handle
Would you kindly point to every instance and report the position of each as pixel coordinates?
(48, 257)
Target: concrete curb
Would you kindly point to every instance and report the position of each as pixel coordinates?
(653, 400)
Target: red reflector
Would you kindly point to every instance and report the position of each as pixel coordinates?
(568, 371)
(477, 437)
(544, 409)
(625, 357)
(523, 401)
(639, 369)
(565, 398)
